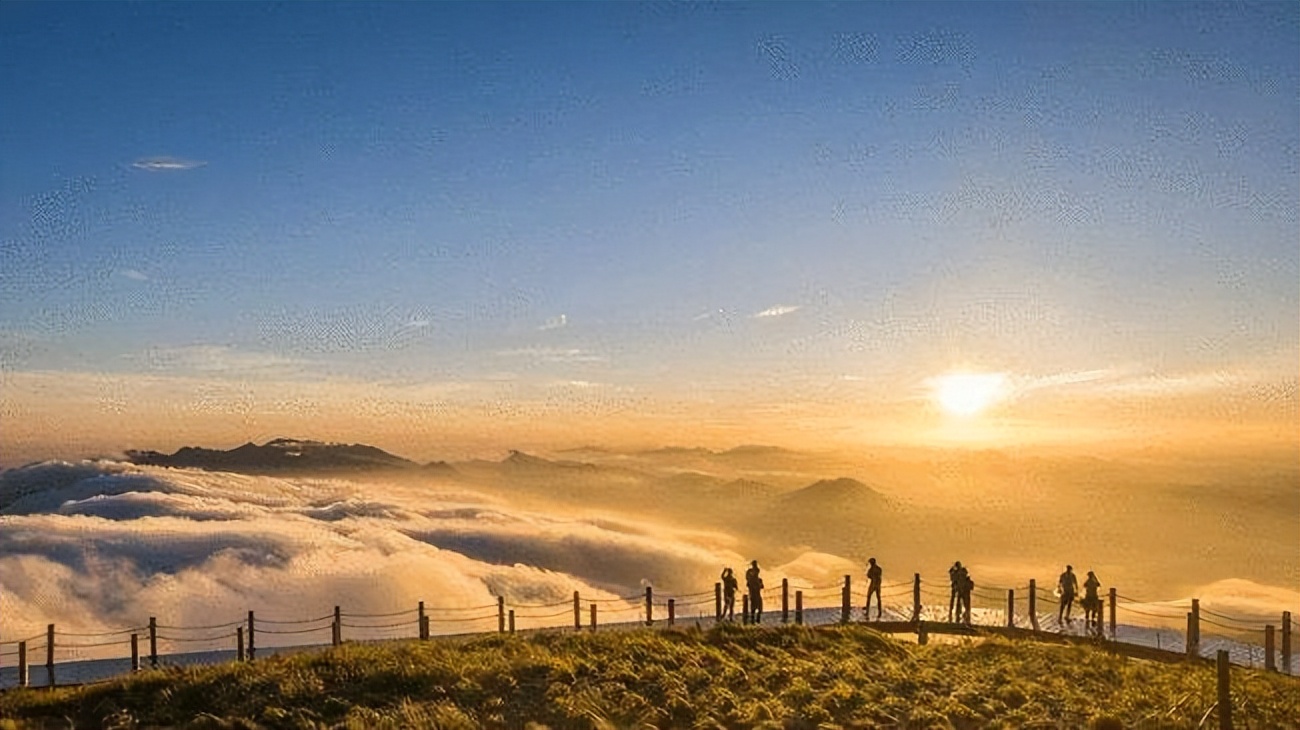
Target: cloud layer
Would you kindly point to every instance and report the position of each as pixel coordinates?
(104, 545)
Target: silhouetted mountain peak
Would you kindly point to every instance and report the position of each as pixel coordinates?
(842, 490)
(276, 455)
(520, 460)
(440, 467)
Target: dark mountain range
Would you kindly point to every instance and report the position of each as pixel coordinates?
(279, 455)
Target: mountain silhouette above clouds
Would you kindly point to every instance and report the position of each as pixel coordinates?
(281, 454)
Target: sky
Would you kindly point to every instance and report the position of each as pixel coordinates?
(450, 228)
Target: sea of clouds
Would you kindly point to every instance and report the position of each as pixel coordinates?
(102, 545)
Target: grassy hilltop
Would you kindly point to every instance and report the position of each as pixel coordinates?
(735, 677)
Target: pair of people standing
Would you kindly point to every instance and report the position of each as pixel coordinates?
(962, 585)
(1068, 586)
(753, 583)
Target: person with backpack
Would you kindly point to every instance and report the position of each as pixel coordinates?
(955, 579)
(1092, 602)
(963, 596)
(754, 582)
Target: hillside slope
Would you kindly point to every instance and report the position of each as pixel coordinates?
(741, 677)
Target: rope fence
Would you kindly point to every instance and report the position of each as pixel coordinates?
(904, 606)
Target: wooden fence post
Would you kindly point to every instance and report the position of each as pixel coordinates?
(1033, 604)
(22, 664)
(922, 635)
(593, 617)
(1196, 626)
(1225, 694)
(785, 600)
(1113, 635)
(49, 649)
(1011, 608)
(1286, 641)
(717, 603)
(153, 642)
(512, 620)
(1269, 645)
(135, 652)
(745, 605)
(424, 623)
(672, 611)
(501, 614)
(1191, 647)
(916, 597)
(798, 608)
(846, 599)
(252, 637)
(577, 612)
(239, 643)
(337, 633)
(649, 606)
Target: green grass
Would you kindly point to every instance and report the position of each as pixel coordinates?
(734, 677)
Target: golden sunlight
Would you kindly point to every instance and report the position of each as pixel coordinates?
(966, 394)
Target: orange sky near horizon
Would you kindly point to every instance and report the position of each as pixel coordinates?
(77, 415)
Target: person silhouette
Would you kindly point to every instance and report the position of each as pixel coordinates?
(754, 582)
(729, 586)
(874, 574)
(963, 596)
(1091, 602)
(956, 578)
(1068, 584)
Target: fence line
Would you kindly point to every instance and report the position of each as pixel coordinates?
(908, 607)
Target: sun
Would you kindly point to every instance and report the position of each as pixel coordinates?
(967, 394)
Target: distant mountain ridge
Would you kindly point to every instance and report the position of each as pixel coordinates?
(282, 454)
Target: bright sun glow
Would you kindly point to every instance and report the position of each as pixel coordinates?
(966, 394)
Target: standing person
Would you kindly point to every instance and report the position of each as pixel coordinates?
(963, 596)
(874, 574)
(955, 579)
(1068, 584)
(729, 586)
(754, 582)
(1091, 601)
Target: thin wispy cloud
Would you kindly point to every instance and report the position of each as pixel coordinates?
(1078, 377)
(554, 323)
(1133, 381)
(220, 360)
(133, 274)
(554, 354)
(166, 164)
(779, 310)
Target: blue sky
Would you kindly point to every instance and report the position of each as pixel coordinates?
(660, 198)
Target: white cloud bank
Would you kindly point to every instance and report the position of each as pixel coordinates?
(103, 545)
